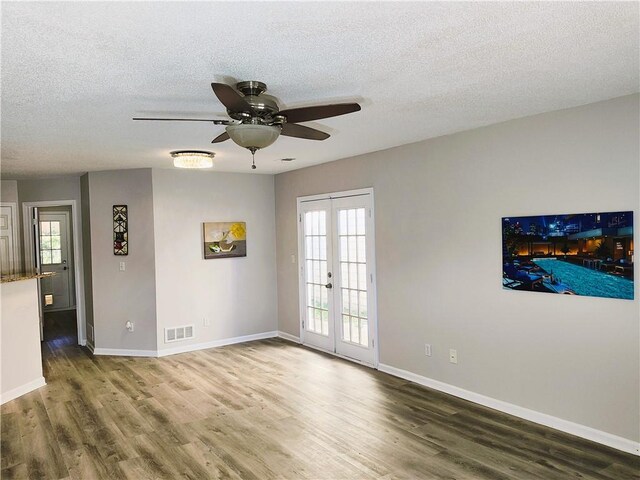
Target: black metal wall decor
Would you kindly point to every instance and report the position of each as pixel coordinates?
(120, 230)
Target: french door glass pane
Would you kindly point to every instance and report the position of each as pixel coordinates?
(353, 270)
(315, 241)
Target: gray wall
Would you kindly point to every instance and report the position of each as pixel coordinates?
(439, 205)
(9, 191)
(44, 190)
(119, 296)
(236, 295)
(86, 256)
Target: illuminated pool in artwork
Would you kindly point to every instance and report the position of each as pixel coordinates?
(585, 281)
(572, 254)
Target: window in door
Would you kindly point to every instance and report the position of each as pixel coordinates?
(315, 238)
(50, 244)
(353, 271)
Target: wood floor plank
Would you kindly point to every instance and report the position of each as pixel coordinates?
(15, 472)
(269, 410)
(43, 456)
(11, 449)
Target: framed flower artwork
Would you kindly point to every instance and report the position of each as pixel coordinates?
(225, 239)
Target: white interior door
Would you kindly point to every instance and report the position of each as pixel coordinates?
(7, 240)
(337, 289)
(55, 256)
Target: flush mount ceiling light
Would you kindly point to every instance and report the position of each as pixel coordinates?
(192, 158)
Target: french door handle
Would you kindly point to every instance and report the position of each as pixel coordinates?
(328, 285)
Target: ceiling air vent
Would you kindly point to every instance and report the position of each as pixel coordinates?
(176, 334)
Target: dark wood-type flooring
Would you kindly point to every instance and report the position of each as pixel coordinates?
(268, 409)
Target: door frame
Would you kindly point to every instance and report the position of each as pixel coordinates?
(29, 243)
(15, 261)
(370, 263)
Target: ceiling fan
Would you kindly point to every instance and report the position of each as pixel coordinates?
(257, 121)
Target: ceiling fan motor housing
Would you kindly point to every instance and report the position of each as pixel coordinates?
(265, 107)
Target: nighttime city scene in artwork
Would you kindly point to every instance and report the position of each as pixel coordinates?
(579, 254)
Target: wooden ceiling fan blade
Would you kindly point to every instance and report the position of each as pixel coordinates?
(230, 98)
(307, 114)
(300, 131)
(215, 121)
(221, 138)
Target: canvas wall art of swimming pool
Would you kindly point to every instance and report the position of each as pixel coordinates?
(573, 254)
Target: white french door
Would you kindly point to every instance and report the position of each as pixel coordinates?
(337, 289)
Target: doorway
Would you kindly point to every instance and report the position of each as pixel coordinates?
(55, 245)
(52, 244)
(336, 249)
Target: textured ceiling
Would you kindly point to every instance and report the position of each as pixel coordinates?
(74, 73)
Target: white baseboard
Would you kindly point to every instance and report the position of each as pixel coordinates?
(215, 343)
(181, 348)
(121, 352)
(566, 426)
(288, 336)
(21, 390)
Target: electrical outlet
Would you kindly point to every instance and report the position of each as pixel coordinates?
(123, 266)
(129, 326)
(427, 349)
(453, 355)
(206, 322)
(293, 259)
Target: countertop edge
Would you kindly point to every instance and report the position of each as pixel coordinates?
(18, 277)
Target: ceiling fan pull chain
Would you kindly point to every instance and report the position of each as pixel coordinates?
(253, 156)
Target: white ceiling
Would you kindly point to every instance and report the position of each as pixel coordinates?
(73, 74)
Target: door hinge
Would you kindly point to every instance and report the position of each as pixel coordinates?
(300, 219)
(34, 221)
(373, 342)
(371, 275)
(369, 213)
(303, 324)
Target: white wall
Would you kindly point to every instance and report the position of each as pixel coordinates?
(20, 356)
(237, 295)
(439, 205)
(121, 296)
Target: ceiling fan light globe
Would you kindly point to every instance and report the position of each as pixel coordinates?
(253, 136)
